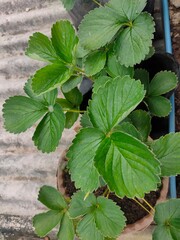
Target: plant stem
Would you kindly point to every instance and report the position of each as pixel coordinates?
(148, 204)
(106, 193)
(142, 206)
(73, 110)
(97, 3)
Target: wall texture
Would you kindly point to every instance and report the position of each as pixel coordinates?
(22, 168)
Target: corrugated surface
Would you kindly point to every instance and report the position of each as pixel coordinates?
(22, 168)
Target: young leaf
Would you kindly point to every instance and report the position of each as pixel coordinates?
(98, 27)
(142, 121)
(114, 68)
(50, 77)
(68, 4)
(95, 62)
(71, 118)
(64, 40)
(100, 82)
(167, 218)
(141, 30)
(121, 154)
(40, 48)
(143, 76)
(71, 83)
(45, 222)
(74, 96)
(84, 147)
(159, 106)
(49, 130)
(66, 230)
(129, 9)
(167, 151)
(51, 198)
(20, 113)
(85, 121)
(162, 82)
(113, 102)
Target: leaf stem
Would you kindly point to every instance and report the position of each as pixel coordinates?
(148, 204)
(106, 193)
(97, 3)
(73, 110)
(142, 206)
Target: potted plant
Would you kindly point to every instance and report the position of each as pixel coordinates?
(112, 148)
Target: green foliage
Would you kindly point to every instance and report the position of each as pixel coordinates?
(68, 4)
(167, 218)
(71, 83)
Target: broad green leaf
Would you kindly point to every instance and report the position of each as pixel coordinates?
(45, 222)
(71, 118)
(85, 121)
(167, 150)
(142, 121)
(167, 218)
(151, 53)
(65, 104)
(71, 83)
(100, 82)
(74, 96)
(80, 205)
(129, 128)
(114, 68)
(158, 106)
(64, 40)
(162, 82)
(86, 229)
(143, 76)
(51, 198)
(66, 230)
(124, 162)
(50, 77)
(80, 51)
(48, 98)
(68, 4)
(113, 102)
(95, 62)
(81, 159)
(40, 48)
(98, 27)
(109, 218)
(140, 31)
(129, 9)
(20, 113)
(49, 130)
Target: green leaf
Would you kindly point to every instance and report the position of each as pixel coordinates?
(71, 118)
(140, 31)
(129, 9)
(162, 82)
(68, 4)
(109, 218)
(158, 106)
(100, 82)
(98, 27)
(40, 48)
(49, 130)
(84, 148)
(20, 113)
(48, 98)
(129, 128)
(74, 96)
(167, 151)
(167, 218)
(113, 102)
(87, 229)
(66, 230)
(114, 68)
(71, 83)
(50, 77)
(151, 53)
(45, 222)
(80, 51)
(142, 121)
(64, 103)
(124, 162)
(143, 76)
(95, 62)
(85, 121)
(51, 198)
(64, 40)
(80, 205)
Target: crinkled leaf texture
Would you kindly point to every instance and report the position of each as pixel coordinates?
(167, 218)
(101, 217)
(167, 151)
(114, 102)
(124, 162)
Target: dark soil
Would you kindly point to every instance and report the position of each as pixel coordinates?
(132, 210)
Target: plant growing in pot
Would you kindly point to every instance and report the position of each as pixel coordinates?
(112, 148)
